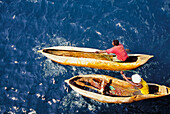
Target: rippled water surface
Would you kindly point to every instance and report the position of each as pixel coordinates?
(29, 82)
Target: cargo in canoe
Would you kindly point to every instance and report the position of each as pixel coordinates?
(121, 91)
(86, 57)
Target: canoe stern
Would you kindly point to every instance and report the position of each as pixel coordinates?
(168, 90)
(39, 51)
(150, 56)
(67, 81)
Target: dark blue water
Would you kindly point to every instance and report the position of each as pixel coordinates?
(29, 82)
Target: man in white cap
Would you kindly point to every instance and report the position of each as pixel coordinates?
(138, 82)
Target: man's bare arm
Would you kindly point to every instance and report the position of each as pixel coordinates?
(126, 78)
(102, 51)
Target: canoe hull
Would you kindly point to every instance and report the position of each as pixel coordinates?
(95, 63)
(111, 99)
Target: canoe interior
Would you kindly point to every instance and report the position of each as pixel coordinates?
(153, 89)
(80, 54)
(94, 85)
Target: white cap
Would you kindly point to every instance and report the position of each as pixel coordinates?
(136, 78)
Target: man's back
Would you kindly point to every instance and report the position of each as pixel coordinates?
(119, 51)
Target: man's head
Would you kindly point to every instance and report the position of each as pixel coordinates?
(136, 78)
(115, 42)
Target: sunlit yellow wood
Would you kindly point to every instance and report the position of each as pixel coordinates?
(85, 57)
(163, 90)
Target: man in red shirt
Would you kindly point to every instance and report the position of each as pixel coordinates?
(118, 49)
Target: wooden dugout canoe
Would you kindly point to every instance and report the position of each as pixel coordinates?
(89, 86)
(85, 57)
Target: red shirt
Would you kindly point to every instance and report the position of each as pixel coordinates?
(119, 51)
